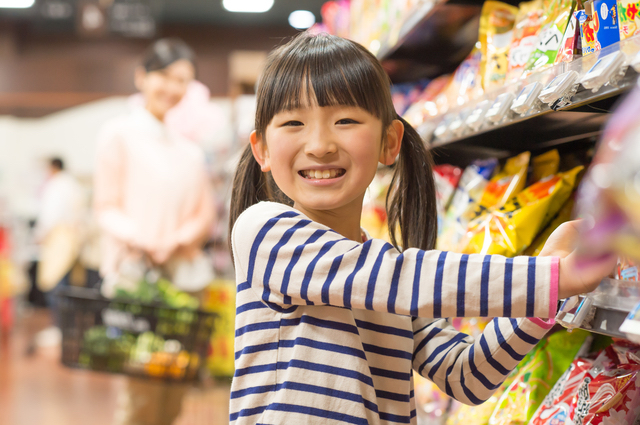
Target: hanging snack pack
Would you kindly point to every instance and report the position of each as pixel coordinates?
(543, 166)
(558, 404)
(471, 186)
(511, 229)
(525, 36)
(551, 35)
(563, 216)
(626, 269)
(629, 18)
(571, 45)
(532, 384)
(446, 179)
(599, 28)
(496, 25)
(609, 393)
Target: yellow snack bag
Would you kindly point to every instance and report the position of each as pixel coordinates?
(496, 25)
(545, 165)
(529, 20)
(563, 216)
(511, 229)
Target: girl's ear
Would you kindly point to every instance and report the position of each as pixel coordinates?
(260, 151)
(392, 143)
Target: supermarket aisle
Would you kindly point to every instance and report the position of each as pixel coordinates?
(37, 390)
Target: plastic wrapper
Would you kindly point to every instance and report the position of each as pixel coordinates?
(609, 196)
(571, 45)
(533, 382)
(600, 28)
(525, 36)
(446, 179)
(609, 393)
(558, 404)
(425, 106)
(471, 186)
(563, 216)
(511, 229)
(496, 25)
(551, 34)
(405, 95)
(467, 81)
(629, 18)
(544, 166)
(627, 269)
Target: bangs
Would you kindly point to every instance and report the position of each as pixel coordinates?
(324, 70)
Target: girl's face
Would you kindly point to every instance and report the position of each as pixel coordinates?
(163, 89)
(324, 158)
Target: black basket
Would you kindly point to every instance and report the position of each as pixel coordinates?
(135, 339)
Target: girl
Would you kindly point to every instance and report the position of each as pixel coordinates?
(330, 323)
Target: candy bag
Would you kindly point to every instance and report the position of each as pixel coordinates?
(525, 36)
(550, 36)
(544, 166)
(533, 382)
(629, 18)
(600, 28)
(471, 186)
(563, 216)
(626, 269)
(425, 106)
(446, 179)
(571, 45)
(496, 24)
(512, 228)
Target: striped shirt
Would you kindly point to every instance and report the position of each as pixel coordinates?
(328, 330)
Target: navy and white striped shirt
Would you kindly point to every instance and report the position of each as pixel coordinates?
(328, 330)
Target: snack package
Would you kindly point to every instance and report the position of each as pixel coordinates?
(525, 36)
(626, 269)
(425, 106)
(467, 80)
(508, 182)
(609, 393)
(629, 18)
(543, 166)
(571, 45)
(550, 36)
(600, 28)
(496, 25)
(471, 186)
(538, 243)
(558, 404)
(511, 229)
(446, 179)
(533, 382)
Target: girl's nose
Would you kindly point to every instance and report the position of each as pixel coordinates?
(320, 143)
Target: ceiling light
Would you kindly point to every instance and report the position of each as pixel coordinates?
(302, 19)
(16, 4)
(251, 6)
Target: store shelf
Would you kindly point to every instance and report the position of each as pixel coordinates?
(434, 39)
(580, 114)
(604, 310)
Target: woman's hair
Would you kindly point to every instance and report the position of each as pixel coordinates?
(337, 71)
(166, 51)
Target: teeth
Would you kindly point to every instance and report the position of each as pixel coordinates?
(321, 174)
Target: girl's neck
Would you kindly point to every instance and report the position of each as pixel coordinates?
(345, 220)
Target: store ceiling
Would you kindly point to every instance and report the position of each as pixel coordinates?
(61, 15)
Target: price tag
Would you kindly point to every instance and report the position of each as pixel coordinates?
(631, 325)
(475, 119)
(558, 87)
(526, 98)
(500, 107)
(442, 129)
(457, 125)
(602, 71)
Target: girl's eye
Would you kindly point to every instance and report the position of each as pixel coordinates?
(292, 124)
(347, 121)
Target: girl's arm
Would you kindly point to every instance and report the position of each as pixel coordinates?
(290, 260)
(472, 370)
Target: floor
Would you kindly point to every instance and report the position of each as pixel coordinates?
(35, 389)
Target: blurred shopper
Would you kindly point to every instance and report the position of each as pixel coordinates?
(154, 206)
(59, 237)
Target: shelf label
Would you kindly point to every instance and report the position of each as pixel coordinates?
(603, 70)
(527, 96)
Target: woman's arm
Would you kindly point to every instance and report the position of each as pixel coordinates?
(290, 260)
(471, 370)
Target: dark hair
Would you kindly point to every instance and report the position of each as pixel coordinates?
(166, 51)
(57, 163)
(340, 72)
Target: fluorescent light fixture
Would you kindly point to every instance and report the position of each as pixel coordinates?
(302, 19)
(247, 6)
(16, 4)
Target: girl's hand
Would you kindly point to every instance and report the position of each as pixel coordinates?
(578, 275)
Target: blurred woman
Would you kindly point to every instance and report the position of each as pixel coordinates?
(153, 203)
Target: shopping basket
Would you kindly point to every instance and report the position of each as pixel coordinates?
(132, 338)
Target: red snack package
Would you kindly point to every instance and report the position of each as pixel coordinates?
(609, 394)
(558, 404)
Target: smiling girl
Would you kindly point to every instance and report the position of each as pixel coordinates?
(330, 323)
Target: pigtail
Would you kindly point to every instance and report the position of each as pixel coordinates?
(411, 200)
(250, 186)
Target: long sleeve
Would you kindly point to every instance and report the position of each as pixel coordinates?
(108, 190)
(472, 370)
(275, 243)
